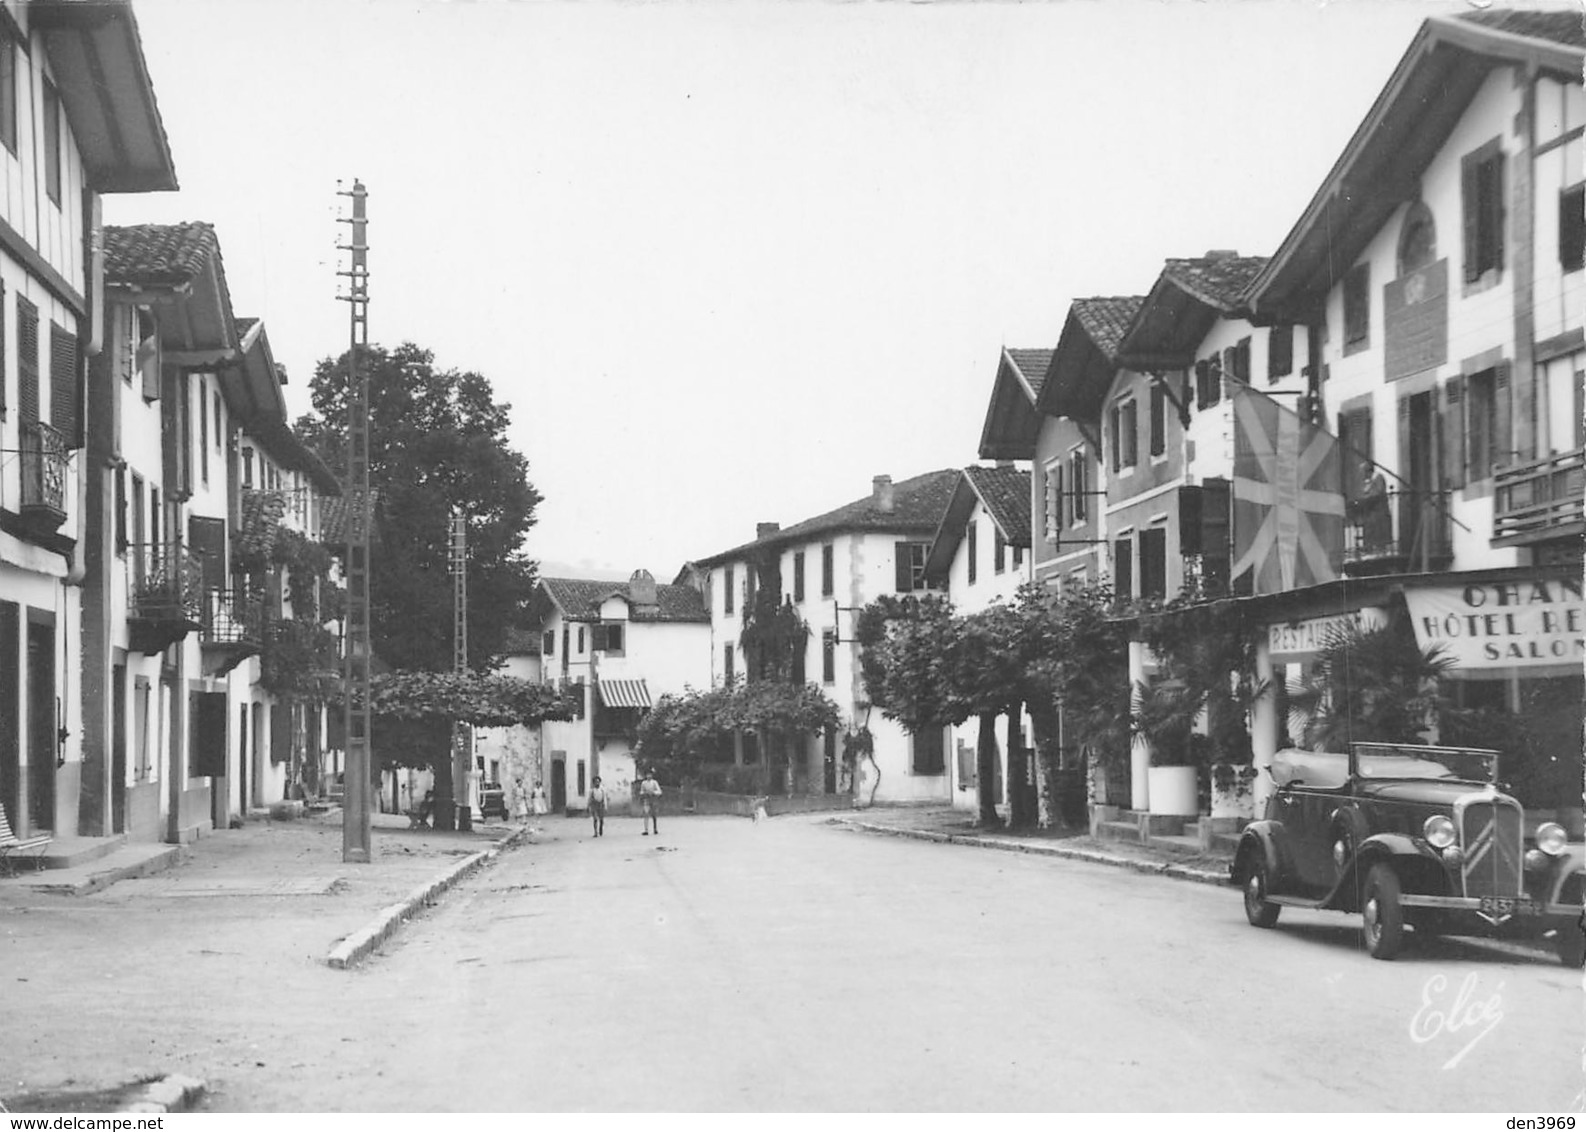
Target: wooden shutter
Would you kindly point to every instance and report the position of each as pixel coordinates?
(121, 510)
(1054, 501)
(902, 574)
(1403, 412)
(208, 539)
(27, 361)
(1453, 432)
(1503, 443)
(1242, 360)
(65, 385)
(1495, 209)
(1079, 486)
(1280, 351)
(1470, 204)
(1202, 378)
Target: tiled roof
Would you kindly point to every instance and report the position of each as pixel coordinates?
(1566, 27)
(1006, 494)
(159, 254)
(1106, 319)
(521, 642)
(1218, 280)
(918, 504)
(333, 519)
(581, 597)
(1033, 365)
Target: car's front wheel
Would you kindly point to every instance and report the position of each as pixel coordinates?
(1258, 909)
(1382, 913)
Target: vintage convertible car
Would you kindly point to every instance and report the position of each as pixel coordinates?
(1410, 835)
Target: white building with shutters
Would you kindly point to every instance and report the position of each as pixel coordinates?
(77, 120)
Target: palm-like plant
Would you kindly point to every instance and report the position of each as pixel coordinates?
(1369, 685)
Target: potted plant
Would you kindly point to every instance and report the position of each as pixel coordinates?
(1166, 717)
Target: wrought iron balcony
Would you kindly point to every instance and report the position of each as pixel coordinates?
(166, 590)
(1398, 532)
(232, 629)
(44, 459)
(1540, 501)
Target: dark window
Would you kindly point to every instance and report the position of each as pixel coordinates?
(826, 571)
(1129, 433)
(8, 93)
(727, 590)
(828, 656)
(971, 547)
(748, 588)
(909, 566)
(1079, 487)
(1483, 189)
(580, 640)
(607, 636)
(1123, 568)
(1357, 307)
(203, 435)
(999, 552)
(1153, 562)
(1018, 553)
(548, 642)
(121, 497)
(1572, 228)
(65, 385)
(51, 109)
(726, 664)
(1280, 351)
(567, 648)
(1354, 448)
(1486, 422)
(929, 752)
(581, 776)
(1158, 419)
(1209, 381)
(1239, 361)
(1115, 436)
(798, 575)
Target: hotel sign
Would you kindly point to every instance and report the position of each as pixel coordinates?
(1522, 624)
(1295, 641)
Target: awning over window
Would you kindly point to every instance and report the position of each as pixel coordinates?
(624, 693)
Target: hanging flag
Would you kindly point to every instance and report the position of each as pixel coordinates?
(1288, 506)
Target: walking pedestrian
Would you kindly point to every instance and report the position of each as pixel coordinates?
(650, 799)
(540, 806)
(597, 806)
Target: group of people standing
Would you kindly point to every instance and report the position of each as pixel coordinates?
(649, 801)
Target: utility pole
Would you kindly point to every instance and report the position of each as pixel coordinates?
(355, 847)
(457, 566)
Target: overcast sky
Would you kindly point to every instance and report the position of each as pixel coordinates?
(728, 261)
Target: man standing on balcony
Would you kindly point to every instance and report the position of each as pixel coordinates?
(1371, 509)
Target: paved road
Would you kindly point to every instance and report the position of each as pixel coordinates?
(795, 965)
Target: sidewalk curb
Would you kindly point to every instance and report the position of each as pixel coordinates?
(96, 882)
(174, 1093)
(360, 943)
(1171, 869)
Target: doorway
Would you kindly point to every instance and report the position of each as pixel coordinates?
(558, 783)
(118, 748)
(42, 739)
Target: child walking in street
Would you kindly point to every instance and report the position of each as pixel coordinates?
(597, 806)
(649, 798)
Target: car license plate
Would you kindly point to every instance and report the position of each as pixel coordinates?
(1508, 906)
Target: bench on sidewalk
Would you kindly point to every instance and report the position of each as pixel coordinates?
(13, 847)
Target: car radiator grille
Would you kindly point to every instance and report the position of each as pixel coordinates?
(1490, 831)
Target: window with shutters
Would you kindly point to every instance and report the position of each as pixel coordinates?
(1280, 352)
(727, 673)
(828, 574)
(1123, 568)
(928, 751)
(1054, 502)
(828, 656)
(970, 547)
(1357, 308)
(1238, 361)
(1209, 381)
(567, 649)
(580, 640)
(1079, 488)
(999, 552)
(1354, 448)
(50, 109)
(27, 361)
(798, 575)
(548, 642)
(728, 591)
(1486, 422)
(1128, 434)
(909, 566)
(607, 636)
(1482, 192)
(65, 385)
(1572, 227)
(1158, 419)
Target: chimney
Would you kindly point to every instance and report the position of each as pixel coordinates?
(766, 530)
(1222, 253)
(641, 589)
(882, 493)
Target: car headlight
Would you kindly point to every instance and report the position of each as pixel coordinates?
(1438, 831)
(1550, 838)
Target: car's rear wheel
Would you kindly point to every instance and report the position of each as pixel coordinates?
(1260, 911)
(1571, 945)
(1382, 913)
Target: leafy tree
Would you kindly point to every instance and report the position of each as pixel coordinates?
(437, 442)
(681, 733)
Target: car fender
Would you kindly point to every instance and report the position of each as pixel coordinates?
(1571, 866)
(1348, 817)
(1417, 864)
(1261, 840)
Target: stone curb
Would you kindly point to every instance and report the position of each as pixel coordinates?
(174, 1093)
(99, 881)
(1155, 868)
(360, 943)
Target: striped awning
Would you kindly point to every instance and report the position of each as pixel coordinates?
(624, 693)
